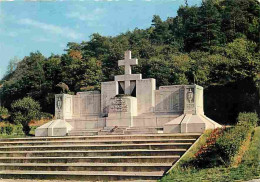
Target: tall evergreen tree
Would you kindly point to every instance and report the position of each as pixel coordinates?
(209, 25)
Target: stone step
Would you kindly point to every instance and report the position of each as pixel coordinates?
(130, 167)
(109, 133)
(117, 131)
(82, 175)
(140, 136)
(92, 153)
(94, 129)
(97, 159)
(83, 133)
(133, 141)
(151, 146)
(145, 129)
(113, 157)
(134, 132)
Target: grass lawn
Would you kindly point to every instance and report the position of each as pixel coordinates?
(247, 170)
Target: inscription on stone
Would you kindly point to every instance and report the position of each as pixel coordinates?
(118, 105)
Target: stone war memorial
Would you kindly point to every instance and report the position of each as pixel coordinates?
(129, 105)
(129, 131)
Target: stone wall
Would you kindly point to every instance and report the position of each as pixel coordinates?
(89, 103)
(169, 99)
(150, 107)
(145, 95)
(108, 91)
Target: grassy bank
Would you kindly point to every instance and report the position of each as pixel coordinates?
(248, 169)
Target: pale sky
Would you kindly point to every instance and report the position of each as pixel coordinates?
(47, 26)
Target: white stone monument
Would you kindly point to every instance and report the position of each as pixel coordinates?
(132, 105)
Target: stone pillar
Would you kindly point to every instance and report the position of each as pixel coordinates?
(199, 105)
(189, 100)
(63, 106)
(193, 99)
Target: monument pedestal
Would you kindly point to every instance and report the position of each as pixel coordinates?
(190, 123)
(193, 119)
(53, 128)
(122, 111)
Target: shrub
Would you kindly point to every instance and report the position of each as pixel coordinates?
(6, 129)
(206, 154)
(2, 130)
(224, 143)
(18, 129)
(25, 110)
(229, 143)
(33, 128)
(45, 115)
(4, 114)
(248, 119)
(10, 129)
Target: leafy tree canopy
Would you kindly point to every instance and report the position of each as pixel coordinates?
(214, 45)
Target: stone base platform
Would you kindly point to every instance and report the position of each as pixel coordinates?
(54, 128)
(117, 131)
(154, 124)
(189, 123)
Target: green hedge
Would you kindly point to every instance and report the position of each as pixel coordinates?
(229, 143)
(223, 144)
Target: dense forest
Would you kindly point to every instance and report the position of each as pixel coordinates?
(215, 45)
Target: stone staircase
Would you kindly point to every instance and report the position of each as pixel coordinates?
(143, 157)
(116, 131)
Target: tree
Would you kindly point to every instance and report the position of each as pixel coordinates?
(240, 17)
(25, 110)
(186, 3)
(210, 25)
(158, 68)
(160, 33)
(12, 65)
(237, 61)
(186, 27)
(27, 79)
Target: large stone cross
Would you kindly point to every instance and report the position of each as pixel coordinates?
(128, 62)
(128, 76)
